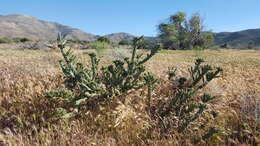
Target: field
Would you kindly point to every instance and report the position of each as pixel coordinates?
(26, 75)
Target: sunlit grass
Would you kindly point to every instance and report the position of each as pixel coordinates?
(25, 75)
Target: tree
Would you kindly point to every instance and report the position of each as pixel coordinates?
(124, 42)
(103, 39)
(251, 45)
(181, 33)
(208, 39)
(195, 28)
(173, 34)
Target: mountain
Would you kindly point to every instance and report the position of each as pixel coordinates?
(18, 26)
(239, 38)
(13, 26)
(117, 37)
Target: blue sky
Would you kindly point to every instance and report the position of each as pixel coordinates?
(139, 17)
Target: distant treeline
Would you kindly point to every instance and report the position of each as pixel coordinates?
(14, 40)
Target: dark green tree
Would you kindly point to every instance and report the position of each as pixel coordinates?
(183, 33)
(251, 45)
(103, 39)
(124, 42)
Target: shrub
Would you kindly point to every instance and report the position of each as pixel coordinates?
(99, 45)
(225, 46)
(22, 40)
(15, 40)
(251, 45)
(5, 40)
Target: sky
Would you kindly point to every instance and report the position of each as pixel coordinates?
(138, 17)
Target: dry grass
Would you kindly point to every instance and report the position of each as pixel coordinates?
(25, 75)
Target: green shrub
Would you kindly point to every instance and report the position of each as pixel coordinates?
(99, 45)
(5, 40)
(77, 42)
(22, 40)
(14, 40)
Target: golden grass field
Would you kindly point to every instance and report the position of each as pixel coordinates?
(25, 75)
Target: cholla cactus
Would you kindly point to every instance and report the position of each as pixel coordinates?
(115, 79)
(183, 106)
(84, 81)
(150, 82)
(171, 72)
(127, 74)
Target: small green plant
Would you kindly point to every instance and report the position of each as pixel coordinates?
(5, 40)
(150, 82)
(171, 72)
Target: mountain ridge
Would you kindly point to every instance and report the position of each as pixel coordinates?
(20, 25)
(16, 25)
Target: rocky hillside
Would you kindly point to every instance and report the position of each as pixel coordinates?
(13, 26)
(240, 38)
(117, 37)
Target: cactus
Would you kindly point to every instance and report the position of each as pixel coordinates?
(150, 82)
(171, 72)
(115, 79)
(84, 80)
(183, 106)
(127, 74)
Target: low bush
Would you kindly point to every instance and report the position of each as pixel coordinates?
(14, 40)
(5, 40)
(99, 45)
